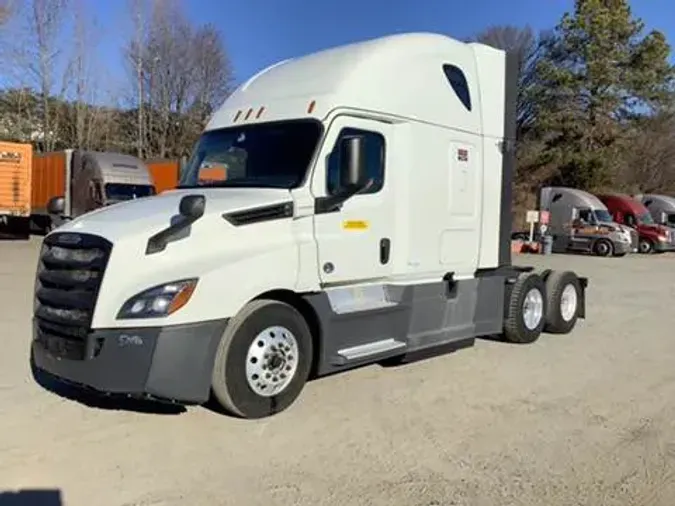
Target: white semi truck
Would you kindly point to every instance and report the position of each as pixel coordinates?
(366, 216)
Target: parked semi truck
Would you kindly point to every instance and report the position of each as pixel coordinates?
(364, 222)
(15, 181)
(661, 207)
(69, 183)
(653, 238)
(579, 221)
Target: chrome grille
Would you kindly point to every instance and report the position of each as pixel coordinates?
(671, 236)
(69, 275)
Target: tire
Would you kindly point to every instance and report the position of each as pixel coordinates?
(645, 246)
(603, 248)
(267, 322)
(516, 330)
(560, 319)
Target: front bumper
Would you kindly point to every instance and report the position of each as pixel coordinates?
(169, 363)
(621, 248)
(662, 246)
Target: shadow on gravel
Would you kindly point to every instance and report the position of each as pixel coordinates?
(93, 399)
(44, 497)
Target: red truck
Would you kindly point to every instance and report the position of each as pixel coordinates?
(653, 238)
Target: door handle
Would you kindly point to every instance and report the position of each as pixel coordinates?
(385, 250)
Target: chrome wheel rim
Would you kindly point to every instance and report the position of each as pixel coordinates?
(533, 308)
(568, 302)
(271, 361)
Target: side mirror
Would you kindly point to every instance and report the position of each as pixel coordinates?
(56, 205)
(192, 206)
(353, 161)
(664, 218)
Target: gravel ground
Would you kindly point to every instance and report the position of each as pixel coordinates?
(583, 419)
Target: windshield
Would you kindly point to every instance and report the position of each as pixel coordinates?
(124, 191)
(271, 155)
(603, 216)
(646, 219)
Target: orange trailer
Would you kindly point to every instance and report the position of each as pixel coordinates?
(164, 173)
(213, 173)
(49, 179)
(15, 179)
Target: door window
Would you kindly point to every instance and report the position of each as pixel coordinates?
(374, 160)
(585, 217)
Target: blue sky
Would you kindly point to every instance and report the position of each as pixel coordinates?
(260, 32)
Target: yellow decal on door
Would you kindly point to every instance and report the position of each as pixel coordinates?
(355, 225)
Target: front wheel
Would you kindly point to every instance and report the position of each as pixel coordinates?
(603, 248)
(645, 246)
(263, 360)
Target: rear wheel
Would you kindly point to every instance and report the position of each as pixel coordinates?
(603, 248)
(524, 321)
(563, 293)
(263, 360)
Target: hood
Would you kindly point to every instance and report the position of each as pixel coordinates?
(148, 215)
(612, 226)
(624, 228)
(655, 227)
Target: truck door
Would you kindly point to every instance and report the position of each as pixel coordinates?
(355, 243)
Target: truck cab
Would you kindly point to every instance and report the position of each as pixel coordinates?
(357, 222)
(98, 179)
(662, 209)
(653, 238)
(580, 222)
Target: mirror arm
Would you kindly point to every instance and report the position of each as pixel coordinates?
(333, 203)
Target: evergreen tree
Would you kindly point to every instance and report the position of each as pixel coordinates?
(598, 75)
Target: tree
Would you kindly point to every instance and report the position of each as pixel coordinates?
(180, 73)
(598, 75)
(34, 56)
(649, 165)
(5, 11)
(528, 46)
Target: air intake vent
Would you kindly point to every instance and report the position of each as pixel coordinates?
(260, 214)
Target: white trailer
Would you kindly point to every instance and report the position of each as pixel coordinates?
(366, 216)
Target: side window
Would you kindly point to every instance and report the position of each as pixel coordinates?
(629, 219)
(375, 151)
(458, 82)
(585, 215)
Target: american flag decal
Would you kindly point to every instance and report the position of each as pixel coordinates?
(462, 155)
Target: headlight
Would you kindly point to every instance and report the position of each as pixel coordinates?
(159, 301)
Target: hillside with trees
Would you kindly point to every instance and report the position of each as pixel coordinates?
(596, 104)
(176, 74)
